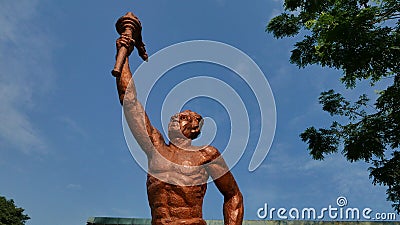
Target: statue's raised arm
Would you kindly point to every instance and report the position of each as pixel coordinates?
(147, 136)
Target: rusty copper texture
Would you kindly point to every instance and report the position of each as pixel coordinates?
(177, 171)
(129, 26)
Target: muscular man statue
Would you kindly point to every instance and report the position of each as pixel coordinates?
(177, 171)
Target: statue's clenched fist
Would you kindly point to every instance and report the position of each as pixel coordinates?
(127, 42)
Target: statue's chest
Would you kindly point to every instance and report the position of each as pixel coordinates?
(181, 161)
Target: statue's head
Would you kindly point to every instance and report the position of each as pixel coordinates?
(186, 124)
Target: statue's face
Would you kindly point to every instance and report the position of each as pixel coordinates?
(186, 123)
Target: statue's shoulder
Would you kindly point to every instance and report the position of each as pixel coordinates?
(210, 152)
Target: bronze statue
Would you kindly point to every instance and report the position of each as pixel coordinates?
(178, 171)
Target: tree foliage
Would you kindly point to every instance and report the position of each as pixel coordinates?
(10, 214)
(362, 39)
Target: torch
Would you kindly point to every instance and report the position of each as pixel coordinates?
(130, 26)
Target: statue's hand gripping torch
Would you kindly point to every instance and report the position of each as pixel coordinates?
(129, 27)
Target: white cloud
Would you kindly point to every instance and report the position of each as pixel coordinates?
(73, 126)
(25, 63)
(335, 174)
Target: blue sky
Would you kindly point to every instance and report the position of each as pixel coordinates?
(63, 156)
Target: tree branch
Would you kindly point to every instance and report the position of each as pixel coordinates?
(387, 15)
